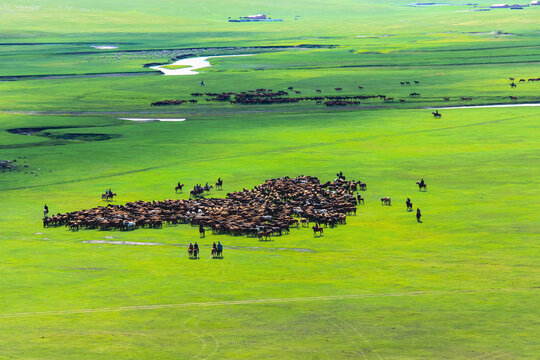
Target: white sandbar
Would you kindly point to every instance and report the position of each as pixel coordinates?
(193, 63)
(484, 106)
(140, 119)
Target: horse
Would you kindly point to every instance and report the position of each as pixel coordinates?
(409, 204)
(437, 114)
(318, 90)
(193, 253)
(178, 187)
(196, 193)
(304, 221)
(360, 199)
(108, 196)
(421, 185)
(215, 252)
(264, 234)
(317, 229)
(386, 201)
(362, 186)
(207, 188)
(202, 232)
(339, 89)
(219, 184)
(513, 85)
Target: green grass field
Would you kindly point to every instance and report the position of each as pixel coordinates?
(464, 284)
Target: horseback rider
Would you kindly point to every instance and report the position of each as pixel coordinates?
(190, 248)
(196, 246)
(219, 247)
(214, 248)
(45, 210)
(422, 184)
(202, 83)
(418, 215)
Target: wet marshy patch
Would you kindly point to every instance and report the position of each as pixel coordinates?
(57, 138)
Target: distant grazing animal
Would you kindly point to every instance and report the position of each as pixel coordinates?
(360, 199)
(386, 201)
(511, 79)
(290, 88)
(361, 87)
(466, 98)
(402, 100)
(521, 80)
(318, 90)
(414, 94)
(446, 99)
(513, 98)
(304, 221)
(416, 82)
(297, 92)
(362, 186)
(513, 85)
(339, 89)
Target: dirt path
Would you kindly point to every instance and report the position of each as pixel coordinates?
(260, 301)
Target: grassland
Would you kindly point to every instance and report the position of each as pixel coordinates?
(461, 285)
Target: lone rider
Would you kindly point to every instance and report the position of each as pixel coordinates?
(422, 183)
(219, 247)
(45, 210)
(418, 215)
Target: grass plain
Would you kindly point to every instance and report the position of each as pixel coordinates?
(461, 285)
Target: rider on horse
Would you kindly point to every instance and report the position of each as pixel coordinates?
(422, 184)
(418, 215)
(219, 247)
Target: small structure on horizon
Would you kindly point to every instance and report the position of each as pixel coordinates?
(254, 18)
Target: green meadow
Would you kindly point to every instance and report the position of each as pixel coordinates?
(463, 284)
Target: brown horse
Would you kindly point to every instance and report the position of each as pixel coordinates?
(202, 232)
(421, 185)
(108, 196)
(317, 229)
(219, 184)
(386, 201)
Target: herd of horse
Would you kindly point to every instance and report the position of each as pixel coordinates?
(269, 209)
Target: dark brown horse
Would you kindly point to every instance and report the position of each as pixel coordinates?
(317, 230)
(178, 187)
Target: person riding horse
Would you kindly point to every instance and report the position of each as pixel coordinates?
(409, 204)
(422, 183)
(418, 215)
(219, 248)
(45, 210)
(190, 249)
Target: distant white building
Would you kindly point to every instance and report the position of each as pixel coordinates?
(535, 2)
(258, 16)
